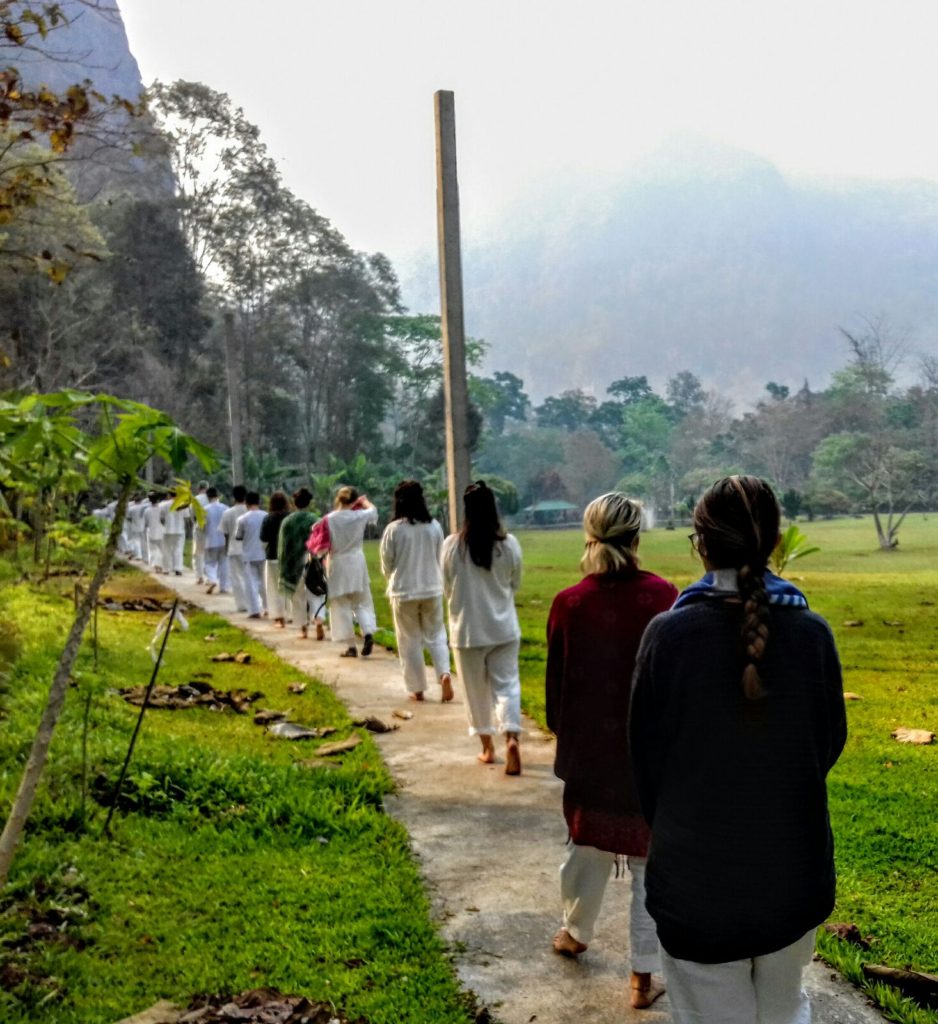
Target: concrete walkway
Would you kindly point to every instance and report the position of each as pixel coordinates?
(489, 847)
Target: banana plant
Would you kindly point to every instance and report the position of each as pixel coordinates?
(791, 545)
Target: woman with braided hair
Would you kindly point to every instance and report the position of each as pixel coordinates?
(737, 717)
(593, 634)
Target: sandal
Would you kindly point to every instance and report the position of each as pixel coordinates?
(349, 652)
(368, 646)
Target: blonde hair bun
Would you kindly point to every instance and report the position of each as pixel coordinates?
(611, 523)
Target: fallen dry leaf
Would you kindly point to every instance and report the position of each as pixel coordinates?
(849, 932)
(331, 749)
(406, 715)
(297, 687)
(223, 656)
(853, 623)
(849, 695)
(920, 737)
(243, 658)
(373, 724)
(891, 622)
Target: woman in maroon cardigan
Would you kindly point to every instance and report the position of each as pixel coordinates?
(593, 635)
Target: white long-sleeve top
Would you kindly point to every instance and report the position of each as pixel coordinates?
(174, 520)
(153, 522)
(229, 522)
(248, 531)
(214, 512)
(410, 559)
(346, 568)
(481, 601)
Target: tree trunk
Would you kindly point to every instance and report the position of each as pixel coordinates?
(40, 748)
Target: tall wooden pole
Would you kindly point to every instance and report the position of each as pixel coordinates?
(234, 399)
(455, 387)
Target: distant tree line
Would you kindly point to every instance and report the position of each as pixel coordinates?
(122, 289)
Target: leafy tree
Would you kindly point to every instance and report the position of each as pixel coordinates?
(685, 394)
(630, 390)
(500, 397)
(570, 410)
(124, 437)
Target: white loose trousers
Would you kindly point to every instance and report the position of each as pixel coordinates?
(491, 682)
(238, 586)
(216, 566)
(419, 624)
(761, 990)
(583, 878)
(173, 546)
(276, 603)
(342, 609)
(254, 593)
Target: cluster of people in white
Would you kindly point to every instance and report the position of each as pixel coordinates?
(628, 750)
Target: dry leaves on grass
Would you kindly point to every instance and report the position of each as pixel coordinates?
(373, 724)
(295, 731)
(920, 737)
(195, 694)
(259, 1006)
(241, 658)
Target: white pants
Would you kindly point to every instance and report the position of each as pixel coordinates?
(762, 990)
(216, 567)
(490, 679)
(155, 552)
(137, 545)
(419, 624)
(343, 608)
(583, 878)
(254, 593)
(173, 546)
(198, 553)
(239, 590)
(276, 604)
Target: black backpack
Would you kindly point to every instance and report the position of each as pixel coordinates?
(314, 576)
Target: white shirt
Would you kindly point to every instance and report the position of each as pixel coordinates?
(202, 499)
(248, 531)
(229, 522)
(346, 568)
(214, 535)
(410, 559)
(174, 520)
(481, 601)
(153, 521)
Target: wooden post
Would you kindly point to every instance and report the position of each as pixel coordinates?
(234, 400)
(455, 387)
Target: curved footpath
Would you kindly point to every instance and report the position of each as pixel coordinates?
(490, 846)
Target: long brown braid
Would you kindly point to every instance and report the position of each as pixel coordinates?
(736, 523)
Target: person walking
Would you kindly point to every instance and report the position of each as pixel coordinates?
(253, 554)
(737, 718)
(278, 508)
(593, 633)
(410, 561)
(174, 534)
(291, 562)
(198, 535)
(154, 532)
(216, 563)
(234, 548)
(481, 574)
(347, 571)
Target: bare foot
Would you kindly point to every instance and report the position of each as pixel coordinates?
(644, 991)
(320, 632)
(415, 696)
(488, 750)
(566, 945)
(512, 756)
(304, 631)
(280, 623)
(446, 681)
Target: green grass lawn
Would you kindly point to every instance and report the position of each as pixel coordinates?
(232, 866)
(884, 795)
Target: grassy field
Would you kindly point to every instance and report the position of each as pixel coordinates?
(884, 795)
(233, 864)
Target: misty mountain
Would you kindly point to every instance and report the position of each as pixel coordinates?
(704, 258)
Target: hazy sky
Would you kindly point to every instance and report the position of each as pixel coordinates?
(342, 90)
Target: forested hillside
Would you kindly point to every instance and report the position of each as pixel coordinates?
(703, 316)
